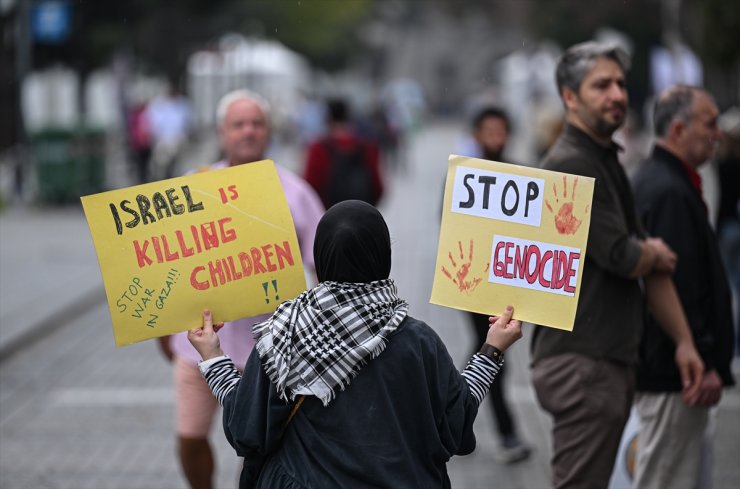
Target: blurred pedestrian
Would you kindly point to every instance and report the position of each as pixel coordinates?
(668, 195)
(585, 378)
(346, 390)
(384, 134)
(342, 166)
(139, 141)
(169, 119)
(244, 130)
(491, 129)
(310, 119)
(728, 220)
(490, 134)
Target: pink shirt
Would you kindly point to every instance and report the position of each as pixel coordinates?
(306, 208)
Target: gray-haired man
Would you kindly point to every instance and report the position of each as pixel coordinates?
(244, 132)
(669, 198)
(585, 378)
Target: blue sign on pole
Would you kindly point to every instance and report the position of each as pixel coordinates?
(51, 21)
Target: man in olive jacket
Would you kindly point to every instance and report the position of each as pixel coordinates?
(585, 378)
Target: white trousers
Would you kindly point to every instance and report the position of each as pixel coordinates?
(669, 448)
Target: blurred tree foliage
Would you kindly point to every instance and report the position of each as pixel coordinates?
(325, 31)
(162, 33)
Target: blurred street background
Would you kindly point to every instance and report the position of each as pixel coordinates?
(81, 80)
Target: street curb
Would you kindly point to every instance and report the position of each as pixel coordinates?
(52, 322)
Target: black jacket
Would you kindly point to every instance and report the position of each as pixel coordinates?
(672, 209)
(396, 425)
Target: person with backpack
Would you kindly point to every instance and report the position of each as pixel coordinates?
(341, 165)
(139, 141)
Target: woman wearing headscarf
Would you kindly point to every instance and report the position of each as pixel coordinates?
(384, 405)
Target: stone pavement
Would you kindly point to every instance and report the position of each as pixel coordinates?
(77, 412)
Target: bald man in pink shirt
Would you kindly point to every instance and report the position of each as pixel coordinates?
(244, 131)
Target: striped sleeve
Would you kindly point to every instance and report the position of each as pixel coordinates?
(479, 374)
(221, 375)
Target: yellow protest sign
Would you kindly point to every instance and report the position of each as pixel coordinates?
(221, 239)
(512, 235)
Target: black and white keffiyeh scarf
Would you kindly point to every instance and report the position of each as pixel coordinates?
(317, 342)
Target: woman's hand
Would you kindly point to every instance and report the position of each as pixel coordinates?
(504, 331)
(204, 339)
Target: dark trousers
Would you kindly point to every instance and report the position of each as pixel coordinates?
(589, 400)
(501, 412)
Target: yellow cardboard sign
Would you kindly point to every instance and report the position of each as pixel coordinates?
(512, 235)
(223, 240)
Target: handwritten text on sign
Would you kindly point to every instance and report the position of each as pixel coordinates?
(534, 265)
(169, 249)
(497, 195)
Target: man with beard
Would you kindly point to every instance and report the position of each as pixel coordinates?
(585, 378)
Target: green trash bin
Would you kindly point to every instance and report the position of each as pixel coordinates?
(55, 152)
(91, 169)
(69, 163)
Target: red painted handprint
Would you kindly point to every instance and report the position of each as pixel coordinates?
(461, 279)
(565, 221)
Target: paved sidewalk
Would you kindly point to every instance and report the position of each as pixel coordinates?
(49, 272)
